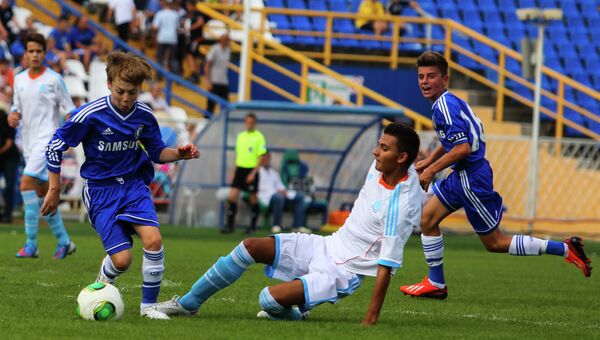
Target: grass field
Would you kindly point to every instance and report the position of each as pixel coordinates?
(490, 295)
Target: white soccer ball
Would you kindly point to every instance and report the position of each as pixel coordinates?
(100, 301)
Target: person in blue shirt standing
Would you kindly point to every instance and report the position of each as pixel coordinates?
(469, 186)
(121, 138)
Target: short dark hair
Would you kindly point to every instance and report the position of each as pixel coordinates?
(36, 38)
(408, 139)
(251, 115)
(432, 58)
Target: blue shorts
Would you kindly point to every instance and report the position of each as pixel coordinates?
(473, 190)
(115, 206)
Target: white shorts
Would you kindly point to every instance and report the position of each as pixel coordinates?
(305, 257)
(35, 166)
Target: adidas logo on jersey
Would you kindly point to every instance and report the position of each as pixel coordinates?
(107, 132)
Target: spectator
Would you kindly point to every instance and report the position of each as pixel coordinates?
(125, 14)
(54, 58)
(154, 99)
(373, 7)
(84, 41)
(9, 161)
(197, 20)
(215, 70)
(6, 84)
(62, 36)
(166, 23)
(396, 7)
(272, 193)
(7, 19)
(250, 145)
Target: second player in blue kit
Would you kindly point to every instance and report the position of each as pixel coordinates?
(469, 186)
(121, 138)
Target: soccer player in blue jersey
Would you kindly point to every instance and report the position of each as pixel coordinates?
(40, 96)
(121, 138)
(469, 186)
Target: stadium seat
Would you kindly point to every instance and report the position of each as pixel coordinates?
(76, 87)
(576, 118)
(76, 68)
(487, 5)
(97, 83)
(526, 3)
(548, 4)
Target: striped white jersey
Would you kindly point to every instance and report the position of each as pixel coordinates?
(381, 221)
(40, 101)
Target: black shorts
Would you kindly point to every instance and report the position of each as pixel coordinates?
(193, 48)
(239, 180)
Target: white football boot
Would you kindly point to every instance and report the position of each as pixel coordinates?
(173, 307)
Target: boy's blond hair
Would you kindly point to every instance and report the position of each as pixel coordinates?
(127, 67)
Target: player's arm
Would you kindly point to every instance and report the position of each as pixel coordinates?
(188, 151)
(382, 283)
(54, 152)
(457, 153)
(7, 145)
(433, 156)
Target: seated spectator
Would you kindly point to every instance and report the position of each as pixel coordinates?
(374, 7)
(154, 99)
(55, 58)
(62, 36)
(84, 42)
(396, 7)
(272, 193)
(6, 84)
(8, 21)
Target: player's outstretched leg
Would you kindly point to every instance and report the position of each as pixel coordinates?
(32, 221)
(222, 274)
(65, 245)
(434, 285)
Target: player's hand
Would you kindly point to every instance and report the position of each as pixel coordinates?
(13, 119)
(250, 178)
(425, 178)
(50, 203)
(421, 165)
(188, 151)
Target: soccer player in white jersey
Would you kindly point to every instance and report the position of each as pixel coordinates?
(469, 186)
(40, 96)
(319, 269)
(121, 138)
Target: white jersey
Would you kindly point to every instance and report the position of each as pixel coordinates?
(39, 100)
(382, 220)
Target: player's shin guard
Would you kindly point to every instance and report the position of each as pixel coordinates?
(31, 204)
(58, 228)
(433, 247)
(152, 274)
(223, 273)
(268, 303)
(523, 245)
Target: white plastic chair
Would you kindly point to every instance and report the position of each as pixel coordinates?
(76, 87)
(76, 68)
(21, 14)
(98, 82)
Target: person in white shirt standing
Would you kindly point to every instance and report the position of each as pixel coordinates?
(319, 269)
(125, 14)
(166, 23)
(272, 193)
(40, 95)
(215, 70)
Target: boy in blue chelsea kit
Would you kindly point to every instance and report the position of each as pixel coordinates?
(121, 138)
(469, 186)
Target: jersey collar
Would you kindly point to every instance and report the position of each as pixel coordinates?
(116, 112)
(389, 187)
(440, 97)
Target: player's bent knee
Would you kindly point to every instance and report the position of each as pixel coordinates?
(268, 303)
(153, 242)
(121, 263)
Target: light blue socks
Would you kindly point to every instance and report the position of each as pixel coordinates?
(223, 273)
(32, 215)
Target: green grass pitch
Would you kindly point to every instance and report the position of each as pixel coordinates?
(490, 295)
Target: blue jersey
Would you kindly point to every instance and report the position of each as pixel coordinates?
(455, 123)
(111, 141)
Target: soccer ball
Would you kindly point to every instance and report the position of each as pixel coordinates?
(100, 301)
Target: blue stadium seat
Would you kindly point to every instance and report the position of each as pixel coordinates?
(493, 19)
(570, 8)
(596, 81)
(451, 13)
(468, 4)
(576, 118)
(487, 5)
(572, 65)
(554, 63)
(548, 4)
(526, 3)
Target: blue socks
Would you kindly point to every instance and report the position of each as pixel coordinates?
(223, 273)
(433, 247)
(32, 215)
(276, 311)
(153, 266)
(58, 228)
